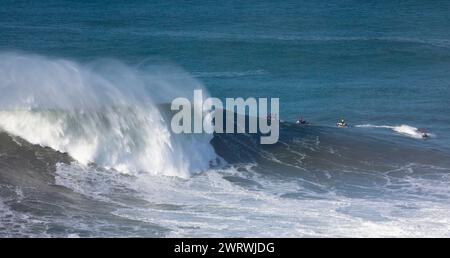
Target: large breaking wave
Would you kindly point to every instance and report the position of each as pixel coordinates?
(102, 112)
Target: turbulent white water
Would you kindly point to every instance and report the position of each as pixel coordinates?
(103, 112)
(209, 205)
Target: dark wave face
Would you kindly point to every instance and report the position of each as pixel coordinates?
(334, 159)
(34, 204)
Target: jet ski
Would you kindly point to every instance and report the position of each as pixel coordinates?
(424, 133)
(341, 123)
(300, 121)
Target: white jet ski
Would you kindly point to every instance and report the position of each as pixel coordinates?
(341, 123)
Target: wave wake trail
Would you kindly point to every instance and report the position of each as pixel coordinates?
(406, 130)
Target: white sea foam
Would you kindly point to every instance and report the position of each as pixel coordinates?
(209, 205)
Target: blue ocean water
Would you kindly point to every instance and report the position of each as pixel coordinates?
(384, 66)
